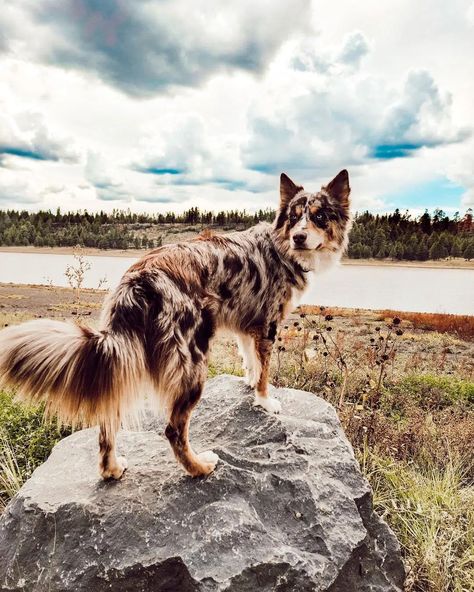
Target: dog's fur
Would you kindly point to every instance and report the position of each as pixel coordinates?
(157, 325)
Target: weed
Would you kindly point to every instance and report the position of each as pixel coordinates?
(75, 273)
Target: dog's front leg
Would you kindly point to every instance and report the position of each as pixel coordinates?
(263, 347)
(250, 359)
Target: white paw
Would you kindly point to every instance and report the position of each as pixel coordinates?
(117, 470)
(250, 378)
(268, 403)
(208, 457)
(123, 462)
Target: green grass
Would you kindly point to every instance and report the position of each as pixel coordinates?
(26, 440)
(434, 391)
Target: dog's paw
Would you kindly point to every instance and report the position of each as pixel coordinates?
(115, 471)
(268, 403)
(207, 463)
(208, 457)
(250, 378)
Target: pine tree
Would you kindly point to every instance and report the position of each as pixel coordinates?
(469, 252)
(456, 249)
(379, 241)
(436, 250)
(425, 222)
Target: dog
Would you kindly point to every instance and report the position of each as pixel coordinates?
(156, 327)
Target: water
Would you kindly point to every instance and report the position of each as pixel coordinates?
(355, 286)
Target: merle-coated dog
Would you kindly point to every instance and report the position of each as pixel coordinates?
(157, 325)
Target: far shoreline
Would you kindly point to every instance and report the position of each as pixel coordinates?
(136, 253)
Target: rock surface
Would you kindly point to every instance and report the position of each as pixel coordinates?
(287, 509)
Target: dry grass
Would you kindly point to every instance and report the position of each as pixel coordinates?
(432, 511)
(13, 318)
(459, 325)
(10, 474)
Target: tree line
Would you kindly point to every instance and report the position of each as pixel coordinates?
(397, 236)
(400, 236)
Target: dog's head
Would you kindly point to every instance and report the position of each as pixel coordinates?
(314, 222)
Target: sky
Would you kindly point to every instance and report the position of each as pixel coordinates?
(159, 105)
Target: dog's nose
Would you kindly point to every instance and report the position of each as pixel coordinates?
(299, 238)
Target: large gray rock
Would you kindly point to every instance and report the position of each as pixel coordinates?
(287, 509)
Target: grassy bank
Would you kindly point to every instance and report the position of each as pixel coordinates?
(404, 390)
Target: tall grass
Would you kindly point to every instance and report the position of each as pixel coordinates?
(11, 478)
(26, 440)
(432, 511)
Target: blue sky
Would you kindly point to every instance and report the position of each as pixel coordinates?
(438, 193)
(157, 105)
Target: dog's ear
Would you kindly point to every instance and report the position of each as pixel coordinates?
(288, 190)
(339, 188)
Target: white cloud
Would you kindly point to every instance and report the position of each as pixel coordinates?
(15, 191)
(146, 47)
(460, 169)
(355, 48)
(470, 14)
(176, 105)
(24, 134)
(346, 120)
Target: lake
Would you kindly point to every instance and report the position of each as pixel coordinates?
(356, 286)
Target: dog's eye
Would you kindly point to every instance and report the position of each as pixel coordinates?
(293, 217)
(319, 217)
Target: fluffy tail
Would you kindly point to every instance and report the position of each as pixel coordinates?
(84, 376)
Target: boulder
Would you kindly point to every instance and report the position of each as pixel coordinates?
(287, 509)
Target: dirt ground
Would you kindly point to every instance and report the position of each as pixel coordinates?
(354, 327)
(21, 302)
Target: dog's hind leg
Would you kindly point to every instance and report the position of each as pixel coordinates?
(263, 347)
(177, 432)
(110, 465)
(251, 361)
